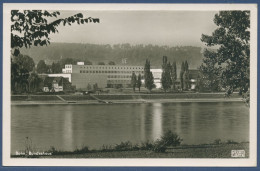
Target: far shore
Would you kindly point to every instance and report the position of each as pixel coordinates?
(125, 101)
(122, 98)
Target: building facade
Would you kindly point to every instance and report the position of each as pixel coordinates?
(111, 76)
(114, 76)
(82, 81)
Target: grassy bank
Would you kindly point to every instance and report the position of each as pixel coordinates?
(201, 151)
(167, 146)
(184, 151)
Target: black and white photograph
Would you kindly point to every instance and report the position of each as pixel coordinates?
(129, 84)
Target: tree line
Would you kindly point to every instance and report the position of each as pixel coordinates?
(148, 78)
(168, 77)
(128, 54)
(136, 81)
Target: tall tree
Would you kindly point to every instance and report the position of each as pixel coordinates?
(139, 82)
(199, 82)
(34, 81)
(21, 66)
(164, 64)
(25, 62)
(166, 75)
(181, 74)
(232, 38)
(186, 79)
(14, 75)
(89, 88)
(148, 76)
(95, 87)
(211, 72)
(56, 68)
(173, 71)
(22, 82)
(42, 67)
(133, 81)
(186, 66)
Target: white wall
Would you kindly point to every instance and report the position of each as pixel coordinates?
(61, 75)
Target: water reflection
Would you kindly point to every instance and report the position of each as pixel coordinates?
(67, 128)
(142, 122)
(71, 126)
(157, 121)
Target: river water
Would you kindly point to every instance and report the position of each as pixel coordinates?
(67, 127)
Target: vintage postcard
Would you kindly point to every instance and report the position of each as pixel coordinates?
(129, 84)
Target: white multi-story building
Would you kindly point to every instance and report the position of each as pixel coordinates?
(103, 75)
(67, 69)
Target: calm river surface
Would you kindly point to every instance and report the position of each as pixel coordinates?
(67, 127)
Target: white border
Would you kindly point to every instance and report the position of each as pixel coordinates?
(7, 161)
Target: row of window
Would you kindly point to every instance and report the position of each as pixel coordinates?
(120, 72)
(121, 76)
(68, 66)
(106, 67)
(118, 81)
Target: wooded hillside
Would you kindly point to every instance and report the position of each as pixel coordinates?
(134, 54)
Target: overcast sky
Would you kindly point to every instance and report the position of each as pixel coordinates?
(170, 28)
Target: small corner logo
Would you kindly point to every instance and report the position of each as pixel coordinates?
(238, 153)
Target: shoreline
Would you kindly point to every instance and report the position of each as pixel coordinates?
(183, 151)
(134, 101)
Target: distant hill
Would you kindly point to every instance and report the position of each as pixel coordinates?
(134, 54)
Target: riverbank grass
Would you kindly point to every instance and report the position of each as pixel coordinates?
(168, 146)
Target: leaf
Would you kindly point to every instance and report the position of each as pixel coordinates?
(79, 15)
(95, 20)
(82, 21)
(16, 52)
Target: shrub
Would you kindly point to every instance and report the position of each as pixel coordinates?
(246, 97)
(106, 148)
(231, 142)
(123, 146)
(147, 146)
(159, 147)
(52, 150)
(171, 139)
(84, 149)
(135, 147)
(168, 139)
